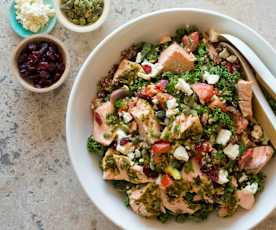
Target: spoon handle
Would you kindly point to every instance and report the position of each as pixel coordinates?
(264, 75)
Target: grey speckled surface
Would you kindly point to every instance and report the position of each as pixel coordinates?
(38, 187)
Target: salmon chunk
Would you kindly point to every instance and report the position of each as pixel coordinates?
(191, 41)
(177, 205)
(119, 167)
(204, 92)
(145, 201)
(176, 59)
(245, 97)
(143, 114)
(181, 125)
(246, 199)
(102, 132)
(127, 69)
(254, 159)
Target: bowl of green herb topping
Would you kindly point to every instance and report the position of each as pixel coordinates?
(82, 15)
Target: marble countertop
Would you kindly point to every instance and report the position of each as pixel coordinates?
(38, 187)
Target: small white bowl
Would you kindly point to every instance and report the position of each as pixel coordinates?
(62, 51)
(78, 28)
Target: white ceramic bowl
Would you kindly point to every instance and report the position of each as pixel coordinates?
(78, 125)
(82, 29)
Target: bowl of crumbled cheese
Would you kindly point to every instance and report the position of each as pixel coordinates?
(29, 17)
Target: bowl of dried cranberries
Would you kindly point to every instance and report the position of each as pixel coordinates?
(41, 63)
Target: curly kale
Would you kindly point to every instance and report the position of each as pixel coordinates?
(95, 147)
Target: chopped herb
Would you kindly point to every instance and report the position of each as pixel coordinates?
(119, 103)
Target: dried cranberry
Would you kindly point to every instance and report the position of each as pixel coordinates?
(32, 47)
(212, 173)
(147, 68)
(98, 118)
(41, 64)
(205, 147)
(124, 140)
(148, 172)
(229, 67)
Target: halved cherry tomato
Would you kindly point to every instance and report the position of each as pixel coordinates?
(166, 181)
(161, 147)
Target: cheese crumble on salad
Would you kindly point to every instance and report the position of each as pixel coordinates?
(175, 131)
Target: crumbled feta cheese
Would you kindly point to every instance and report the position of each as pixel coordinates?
(126, 116)
(171, 103)
(155, 70)
(183, 86)
(232, 151)
(158, 180)
(210, 78)
(223, 136)
(243, 178)
(137, 153)
(124, 149)
(171, 112)
(33, 14)
(131, 156)
(139, 58)
(253, 188)
(181, 154)
(223, 176)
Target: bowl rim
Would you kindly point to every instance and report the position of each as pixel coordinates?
(22, 45)
(95, 51)
(78, 28)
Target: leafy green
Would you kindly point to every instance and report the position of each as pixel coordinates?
(184, 31)
(136, 85)
(119, 103)
(259, 179)
(112, 119)
(226, 83)
(95, 147)
(164, 217)
(222, 118)
(149, 51)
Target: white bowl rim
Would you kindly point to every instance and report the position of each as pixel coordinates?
(82, 29)
(94, 52)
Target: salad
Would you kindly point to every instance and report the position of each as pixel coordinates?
(175, 131)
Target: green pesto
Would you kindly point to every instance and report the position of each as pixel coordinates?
(82, 12)
(151, 199)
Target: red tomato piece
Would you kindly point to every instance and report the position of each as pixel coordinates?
(161, 147)
(204, 91)
(147, 68)
(166, 181)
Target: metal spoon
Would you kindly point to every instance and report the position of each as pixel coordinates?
(265, 77)
(263, 113)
